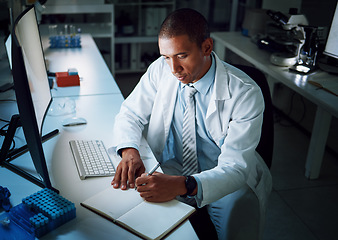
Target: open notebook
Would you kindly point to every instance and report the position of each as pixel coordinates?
(130, 211)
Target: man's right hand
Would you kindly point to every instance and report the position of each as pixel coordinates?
(130, 167)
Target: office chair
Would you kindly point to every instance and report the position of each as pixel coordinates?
(200, 221)
(265, 145)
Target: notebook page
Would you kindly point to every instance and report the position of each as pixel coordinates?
(155, 220)
(113, 203)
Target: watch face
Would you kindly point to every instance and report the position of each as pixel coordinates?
(190, 184)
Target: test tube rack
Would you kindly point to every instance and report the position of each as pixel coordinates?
(65, 41)
(37, 215)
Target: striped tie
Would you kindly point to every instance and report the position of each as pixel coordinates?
(189, 134)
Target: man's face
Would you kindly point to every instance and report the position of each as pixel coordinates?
(186, 60)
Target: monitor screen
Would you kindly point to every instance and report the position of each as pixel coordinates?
(31, 86)
(27, 34)
(331, 48)
(8, 45)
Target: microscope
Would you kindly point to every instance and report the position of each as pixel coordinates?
(293, 43)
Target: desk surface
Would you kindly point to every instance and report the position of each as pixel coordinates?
(98, 105)
(64, 175)
(95, 76)
(249, 51)
(326, 102)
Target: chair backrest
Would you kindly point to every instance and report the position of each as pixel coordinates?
(265, 146)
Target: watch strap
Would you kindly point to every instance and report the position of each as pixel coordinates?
(190, 184)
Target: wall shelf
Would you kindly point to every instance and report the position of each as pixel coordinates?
(131, 51)
(137, 49)
(104, 29)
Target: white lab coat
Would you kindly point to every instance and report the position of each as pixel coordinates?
(233, 119)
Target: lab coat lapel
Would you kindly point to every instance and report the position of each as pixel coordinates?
(168, 97)
(162, 114)
(220, 94)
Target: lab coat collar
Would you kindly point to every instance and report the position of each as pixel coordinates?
(221, 89)
(220, 93)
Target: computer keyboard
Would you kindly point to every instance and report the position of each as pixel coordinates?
(91, 158)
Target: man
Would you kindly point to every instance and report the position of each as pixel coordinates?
(230, 179)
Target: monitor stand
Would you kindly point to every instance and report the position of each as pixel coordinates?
(328, 64)
(7, 155)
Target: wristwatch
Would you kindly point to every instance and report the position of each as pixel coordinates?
(190, 184)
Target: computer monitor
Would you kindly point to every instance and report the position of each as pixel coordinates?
(31, 89)
(8, 44)
(331, 47)
(329, 61)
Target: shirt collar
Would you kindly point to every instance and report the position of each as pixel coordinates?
(206, 81)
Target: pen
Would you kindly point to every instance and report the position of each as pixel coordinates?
(153, 169)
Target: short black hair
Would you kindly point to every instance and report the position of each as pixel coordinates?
(185, 21)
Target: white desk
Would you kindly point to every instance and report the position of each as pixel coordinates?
(64, 176)
(327, 104)
(99, 109)
(95, 76)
